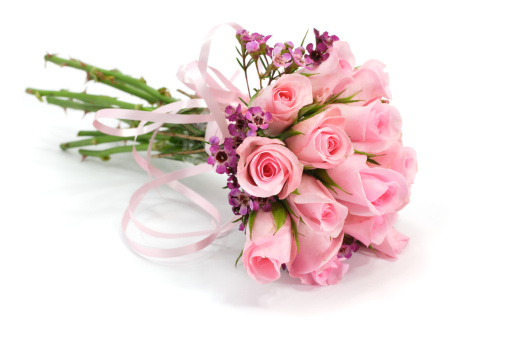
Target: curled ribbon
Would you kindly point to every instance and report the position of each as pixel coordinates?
(214, 97)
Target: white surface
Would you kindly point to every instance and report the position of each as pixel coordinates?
(66, 273)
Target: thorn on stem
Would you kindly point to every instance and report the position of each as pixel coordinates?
(83, 158)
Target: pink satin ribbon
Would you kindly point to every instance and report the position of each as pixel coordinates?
(214, 97)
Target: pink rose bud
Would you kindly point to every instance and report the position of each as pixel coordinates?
(392, 245)
(372, 128)
(317, 207)
(266, 251)
(323, 142)
(267, 168)
(369, 82)
(329, 274)
(369, 230)
(315, 251)
(400, 159)
(370, 191)
(283, 99)
(335, 72)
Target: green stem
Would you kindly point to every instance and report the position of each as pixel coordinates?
(111, 77)
(99, 100)
(86, 107)
(106, 153)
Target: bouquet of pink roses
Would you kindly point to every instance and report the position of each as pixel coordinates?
(315, 165)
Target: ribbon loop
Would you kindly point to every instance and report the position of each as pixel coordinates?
(214, 97)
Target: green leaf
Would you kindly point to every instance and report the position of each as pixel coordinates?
(308, 74)
(287, 207)
(279, 214)
(239, 51)
(295, 233)
(237, 260)
(372, 161)
(246, 104)
(288, 133)
(240, 64)
(253, 98)
(324, 177)
(237, 220)
(304, 38)
(309, 108)
(296, 192)
(251, 220)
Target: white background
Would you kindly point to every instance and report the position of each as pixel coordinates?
(64, 271)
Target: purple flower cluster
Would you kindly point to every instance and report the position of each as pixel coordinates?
(246, 125)
(319, 54)
(254, 43)
(225, 158)
(347, 250)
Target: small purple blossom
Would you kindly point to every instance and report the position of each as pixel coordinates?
(297, 56)
(347, 250)
(325, 38)
(222, 156)
(279, 58)
(316, 56)
(257, 120)
(242, 36)
(252, 46)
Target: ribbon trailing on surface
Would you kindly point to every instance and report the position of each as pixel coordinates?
(215, 98)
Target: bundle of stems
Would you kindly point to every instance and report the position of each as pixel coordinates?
(182, 142)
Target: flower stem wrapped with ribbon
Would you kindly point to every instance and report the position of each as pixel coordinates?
(315, 164)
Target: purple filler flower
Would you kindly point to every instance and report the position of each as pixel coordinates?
(325, 38)
(279, 59)
(257, 119)
(316, 56)
(252, 47)
(224, 156)
(297, 56)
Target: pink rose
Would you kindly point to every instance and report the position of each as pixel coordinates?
(317, 207)
(392, 245)
(329, 274)
(283, 99)
(372, 128)
(323, 142)
(335, 72)
(266, 251)
(370, 191)
(315, 251)
(369, 82)
(267, 168)
(369, 230)
(400, 159)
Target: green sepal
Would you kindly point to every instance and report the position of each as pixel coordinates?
(237, 260)
(251, 220)
(367, 154)
(372, 249)
(295, 233)
(372, 161)
(308, 74)
(296, 192)
(328, 182)
(287, 207)
(279, 215)
(288, 133)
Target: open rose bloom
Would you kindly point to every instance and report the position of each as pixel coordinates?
(316, 166)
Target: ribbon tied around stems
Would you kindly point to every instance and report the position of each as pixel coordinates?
(214, 97)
